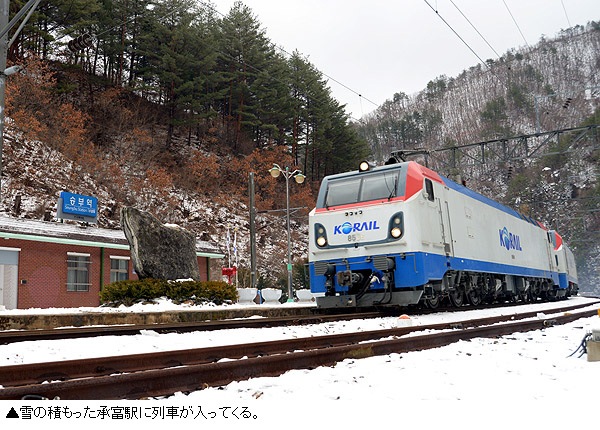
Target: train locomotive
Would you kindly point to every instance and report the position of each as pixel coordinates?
(401, 234)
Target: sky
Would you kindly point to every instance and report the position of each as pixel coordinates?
(380, 47)
(522, 380)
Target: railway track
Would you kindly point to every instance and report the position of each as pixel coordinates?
(164, 373)
(7, 337)
(81, 332)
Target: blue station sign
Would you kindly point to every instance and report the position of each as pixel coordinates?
(77, 204)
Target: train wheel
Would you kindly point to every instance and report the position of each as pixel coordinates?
(433, 303)
(456, 298)
(474, 297)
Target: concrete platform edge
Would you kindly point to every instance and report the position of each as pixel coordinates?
(49, 321)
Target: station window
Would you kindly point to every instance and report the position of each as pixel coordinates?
(119, 268)
(78, 271)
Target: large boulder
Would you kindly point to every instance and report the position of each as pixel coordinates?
(159, 251)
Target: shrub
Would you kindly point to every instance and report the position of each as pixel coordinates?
(135, 291)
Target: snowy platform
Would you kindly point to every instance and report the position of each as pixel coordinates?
(160, 313)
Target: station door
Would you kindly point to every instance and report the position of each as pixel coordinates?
(9, 275)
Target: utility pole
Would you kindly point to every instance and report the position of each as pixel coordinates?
(4, 15)
(252, 231)
(5, 27)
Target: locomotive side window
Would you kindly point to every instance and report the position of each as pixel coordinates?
(552, 237)
(429, 189)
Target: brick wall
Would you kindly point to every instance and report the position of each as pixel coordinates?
(43, 275)
(42, 279)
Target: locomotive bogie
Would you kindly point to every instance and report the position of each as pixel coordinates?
(402, 234)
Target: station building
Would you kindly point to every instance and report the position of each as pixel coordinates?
(55, 265)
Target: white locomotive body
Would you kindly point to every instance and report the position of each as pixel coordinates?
(401, 234)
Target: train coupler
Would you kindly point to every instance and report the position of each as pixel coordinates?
(347, 278)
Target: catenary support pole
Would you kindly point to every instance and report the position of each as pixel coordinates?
(4, 14)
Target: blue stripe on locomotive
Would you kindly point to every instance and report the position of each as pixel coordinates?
(418, 268)
(479, 197)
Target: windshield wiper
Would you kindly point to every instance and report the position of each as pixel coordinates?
(393, 192)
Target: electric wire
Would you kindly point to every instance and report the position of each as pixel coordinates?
(102, 33)
(185, 7)
(211, 7)
(515, 21)
(474, 28)
(457, 35)
(286, 52)
(566, 15)
(256, 69)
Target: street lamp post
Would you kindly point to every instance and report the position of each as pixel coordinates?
(299, 178)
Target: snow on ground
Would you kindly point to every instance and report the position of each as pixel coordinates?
(159, 305)
(151, 341)
(482, 383)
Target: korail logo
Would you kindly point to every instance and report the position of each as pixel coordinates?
(348, 227)
(509, 240)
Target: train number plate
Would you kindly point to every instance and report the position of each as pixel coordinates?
(355, 237)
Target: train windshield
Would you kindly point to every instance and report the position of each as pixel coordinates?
(364, 188)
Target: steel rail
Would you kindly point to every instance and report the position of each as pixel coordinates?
(112, 330)
(197, 376)
(124, 330)
(33, 373)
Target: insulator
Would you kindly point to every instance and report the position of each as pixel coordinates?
(80, 42)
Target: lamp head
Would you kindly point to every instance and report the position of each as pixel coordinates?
(275, 171)
(364, 166)
(299, 178)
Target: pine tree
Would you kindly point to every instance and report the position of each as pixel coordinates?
(167, 47)
(244, 49)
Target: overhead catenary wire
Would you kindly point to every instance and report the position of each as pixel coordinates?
(515, 21)
(474, 28)
(457, 35)
(566, 15)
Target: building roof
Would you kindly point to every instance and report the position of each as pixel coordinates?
(76, 234)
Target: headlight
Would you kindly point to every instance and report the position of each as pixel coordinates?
(321, 235)
(396, 226)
